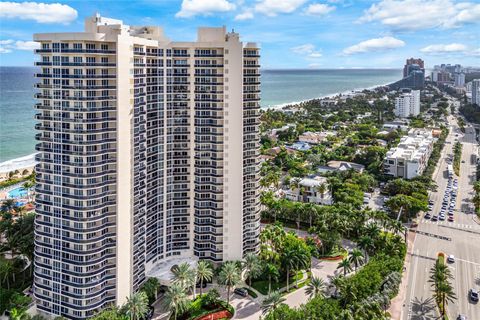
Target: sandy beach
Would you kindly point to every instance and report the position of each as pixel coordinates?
(20, 164)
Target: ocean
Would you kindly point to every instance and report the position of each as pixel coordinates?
(278, 87)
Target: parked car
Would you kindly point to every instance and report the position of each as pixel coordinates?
(451, 258)
(428, 216)
(241, 292)
(461, 317)
(473, 295)
(434, 218)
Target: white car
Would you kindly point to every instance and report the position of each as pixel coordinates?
(451, 258)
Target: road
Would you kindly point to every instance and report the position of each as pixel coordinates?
(463, 240)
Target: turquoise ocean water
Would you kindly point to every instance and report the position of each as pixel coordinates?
(278, 87)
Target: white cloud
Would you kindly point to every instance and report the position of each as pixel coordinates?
(245, 15)
(377, 44)
(444, 48)
(7, 46)
(422, 14)
(39, 12)
(319, 9)
(307, 50)
(192, 8)
(273, 7)
(26, 45)
(314, 65)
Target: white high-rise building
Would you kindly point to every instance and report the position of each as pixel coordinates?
(476, 92)
(408, 104)
(148, 155)
(459, 80)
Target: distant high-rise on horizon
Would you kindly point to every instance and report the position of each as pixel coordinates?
(413, 76)
(148, 156)
(476, 92)
(419, 62)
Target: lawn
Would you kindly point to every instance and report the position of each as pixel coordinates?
(262, 285)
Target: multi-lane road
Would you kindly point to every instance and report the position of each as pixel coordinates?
(460, 238)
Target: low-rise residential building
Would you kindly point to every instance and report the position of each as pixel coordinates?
(408, 104)
(300, 146)
(409, 159)
(336, 166)
(274, 132)
(311, 189)
(396, 125)
(315, 137)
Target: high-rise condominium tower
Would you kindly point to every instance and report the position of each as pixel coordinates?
(147, 155)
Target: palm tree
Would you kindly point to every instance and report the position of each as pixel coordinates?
(445, 294)
(289, 262)
(356, 258)
(9, 205)
(137, 306)
(176, 300)
(151, 288)
(252, 267)
(27, 186)
(272, 273)
(345, 265)
(184, 275)
(204, 273)
(272, 302)
(229, 276)
(322, 188)
(7, 271)
(366, 244)
(315, 287)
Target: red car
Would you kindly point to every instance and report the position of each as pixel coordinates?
(450, 218)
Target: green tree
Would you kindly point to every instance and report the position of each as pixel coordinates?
(315, 287)
(356, 258)
(272, 302)
(345, 265)
(229, 276)
(272, 273)
(184, 275)
(176, 300)
(252, 267)
(151, 289)
(204, 273)
(136, 306)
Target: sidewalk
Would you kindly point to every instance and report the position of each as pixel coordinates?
(396, 307)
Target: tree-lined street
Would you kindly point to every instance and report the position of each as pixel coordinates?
(459, 238)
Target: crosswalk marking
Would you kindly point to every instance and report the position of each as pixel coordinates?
(452, 224)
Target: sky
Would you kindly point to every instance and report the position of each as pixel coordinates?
(293, 34)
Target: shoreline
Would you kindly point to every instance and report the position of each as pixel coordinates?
(28, 162)
(327, 96)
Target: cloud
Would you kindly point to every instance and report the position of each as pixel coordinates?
(377, 44)
(273, 7)
(7, 46)
(245, 15)
(319, 9)
(438, 49)
(39, 12)
(192, 8)
(307, 50)
(314, 65)
(410, 15)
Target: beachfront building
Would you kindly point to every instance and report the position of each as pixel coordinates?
(409, 159)
(311, 190)
(408, 104)
(148, 156)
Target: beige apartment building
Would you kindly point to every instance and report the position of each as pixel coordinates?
(148, 154)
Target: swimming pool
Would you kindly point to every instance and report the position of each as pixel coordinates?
(17, 193)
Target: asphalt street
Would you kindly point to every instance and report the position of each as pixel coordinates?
(460, 238)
